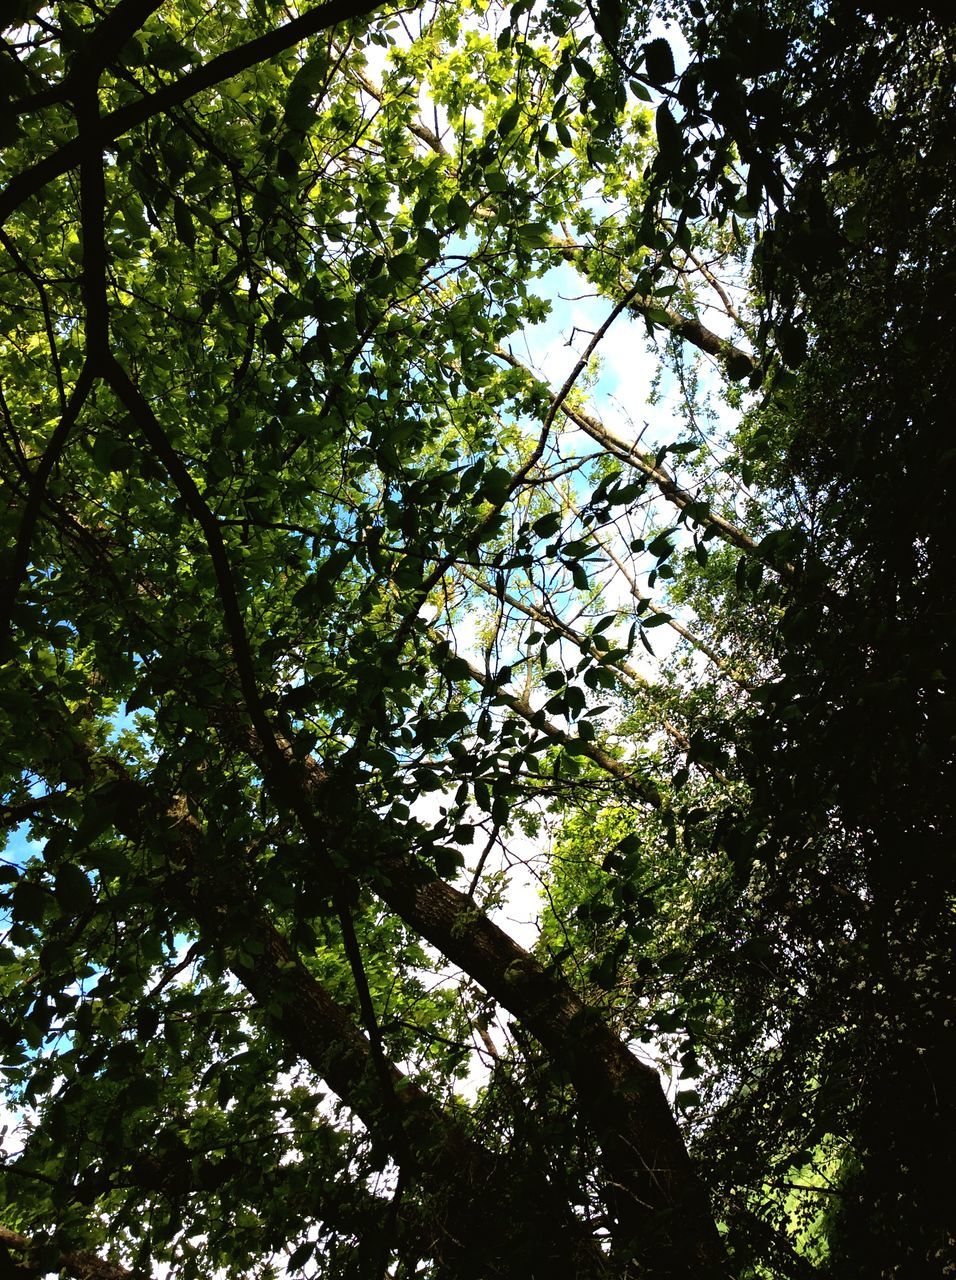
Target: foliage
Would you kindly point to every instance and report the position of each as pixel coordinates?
(331, 625)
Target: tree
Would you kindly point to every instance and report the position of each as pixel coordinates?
(319, 594)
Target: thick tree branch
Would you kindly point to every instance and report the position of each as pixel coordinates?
(662, 1210)
(101, 45)
(692, 330)
(92, 222)
(656, 312)
(415, 127)
(106, 40)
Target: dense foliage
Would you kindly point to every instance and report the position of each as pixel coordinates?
(344, 624)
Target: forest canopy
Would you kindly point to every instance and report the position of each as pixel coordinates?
(476, 634)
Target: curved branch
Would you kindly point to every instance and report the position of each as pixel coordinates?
(24, 268)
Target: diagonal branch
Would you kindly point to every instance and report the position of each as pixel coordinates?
(100, 46)
(558, 400)
(417, 128)
(625, 671)
(675, 624)
(662, 1210)
(279, 768)
(106, 40)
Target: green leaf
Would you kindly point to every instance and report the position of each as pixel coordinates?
(547, 525)
(403, 266)
(301, 1254)
(661, 546)
(428, 243)
(670, 137)
(609, 20)
(500, 810)
(448, 862)
(535, 235)
(74, 893)
(579, 575)
(182, 219)
(147, 1021)
(306, 82)
(659, 61)
(509, 118)
(30, 901)
(495, 181)
(459, 211)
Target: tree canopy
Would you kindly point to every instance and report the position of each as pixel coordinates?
(347, 620)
